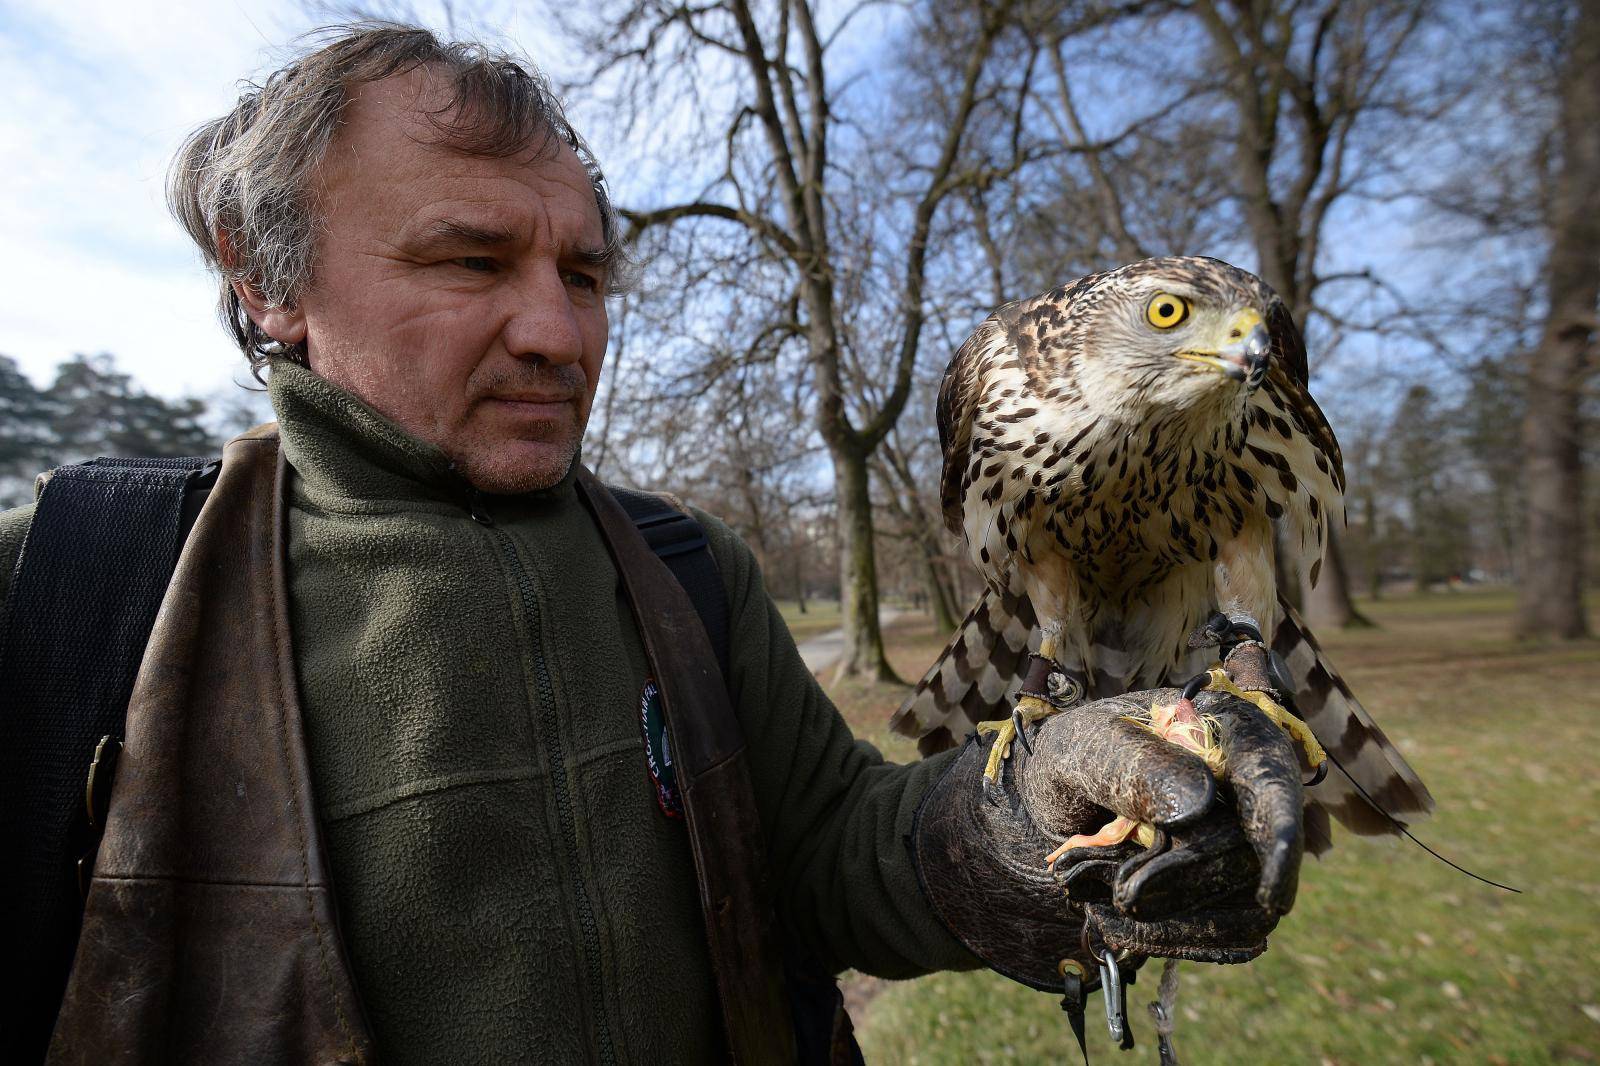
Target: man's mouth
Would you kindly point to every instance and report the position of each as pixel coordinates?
(537, 404)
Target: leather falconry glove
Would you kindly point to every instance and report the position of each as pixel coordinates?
(1221, 866)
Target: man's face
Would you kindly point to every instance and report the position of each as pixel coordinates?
(461, 296)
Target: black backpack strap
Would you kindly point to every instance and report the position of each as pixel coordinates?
(679, 541)
(94, 566)
(823, 1032)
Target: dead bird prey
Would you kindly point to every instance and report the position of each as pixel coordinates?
(1115, 454)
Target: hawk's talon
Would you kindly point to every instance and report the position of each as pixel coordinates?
(1021, 729)
(1317, 775)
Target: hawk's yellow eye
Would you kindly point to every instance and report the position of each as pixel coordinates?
(1167, 310)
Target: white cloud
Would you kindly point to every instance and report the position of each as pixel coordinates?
(97, 97)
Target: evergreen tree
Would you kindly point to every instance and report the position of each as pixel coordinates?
(25, 436)
(100, 411)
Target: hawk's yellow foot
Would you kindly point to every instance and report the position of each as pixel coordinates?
(1219, 681)
(1029, 709)
(1044, 676)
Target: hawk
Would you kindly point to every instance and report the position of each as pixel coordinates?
(1116, 453)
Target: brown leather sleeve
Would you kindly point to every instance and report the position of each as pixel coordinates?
(210, 930)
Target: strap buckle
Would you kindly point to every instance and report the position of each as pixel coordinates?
(1074, 1001)
(97, 804)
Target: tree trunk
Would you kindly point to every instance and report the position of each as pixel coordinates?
(1328, 605)
(1374, 557)
(1421, 562)
(858, 573)
(1550, 603)
(941, 599)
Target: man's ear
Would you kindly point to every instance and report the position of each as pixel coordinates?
(286, 325)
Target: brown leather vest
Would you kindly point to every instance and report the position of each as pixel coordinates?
(210, 933)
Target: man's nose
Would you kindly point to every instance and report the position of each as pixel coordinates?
(542, 321)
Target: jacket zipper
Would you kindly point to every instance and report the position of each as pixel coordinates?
(588, 925)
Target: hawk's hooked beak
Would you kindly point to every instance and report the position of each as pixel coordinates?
(1243, 356)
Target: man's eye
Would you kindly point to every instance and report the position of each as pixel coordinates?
(581, 280)
(479, 263)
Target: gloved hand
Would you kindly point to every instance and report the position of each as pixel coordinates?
(1222, 869)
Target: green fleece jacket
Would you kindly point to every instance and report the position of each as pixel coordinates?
(509, 886)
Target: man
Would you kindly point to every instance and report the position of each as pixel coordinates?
(385, 792)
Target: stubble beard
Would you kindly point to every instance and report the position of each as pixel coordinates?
(490, 467)
(536, 457)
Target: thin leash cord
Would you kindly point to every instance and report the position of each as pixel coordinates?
(1411, 836)
(1165, 1012)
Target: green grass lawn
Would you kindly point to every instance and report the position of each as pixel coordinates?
(820, 616)
(1389, 956)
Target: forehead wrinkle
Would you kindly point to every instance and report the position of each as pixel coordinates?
(448, 230)
(499, 214)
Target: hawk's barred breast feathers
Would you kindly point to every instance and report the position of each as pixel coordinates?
(1040, 423)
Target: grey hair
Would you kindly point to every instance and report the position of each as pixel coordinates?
(240, 184)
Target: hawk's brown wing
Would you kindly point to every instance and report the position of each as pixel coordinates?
(1302, 471)
(995, 342)
(1288, 346)
(977, 675)
(958, 404)
(982, 667)
(1290, 376)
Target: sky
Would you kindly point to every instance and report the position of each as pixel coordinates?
(96, 97)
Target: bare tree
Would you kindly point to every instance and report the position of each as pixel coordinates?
(1303, 83)
(907, 468)
(1551, 591)
(777, 114)
(1525, 177)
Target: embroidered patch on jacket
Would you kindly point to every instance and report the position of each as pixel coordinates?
(658, 751)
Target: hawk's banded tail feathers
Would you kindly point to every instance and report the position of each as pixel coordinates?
(1355, 741)
(979, 672)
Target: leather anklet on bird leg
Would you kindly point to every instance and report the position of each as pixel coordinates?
(1047, 690)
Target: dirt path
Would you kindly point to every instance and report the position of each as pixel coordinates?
(824, 649)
